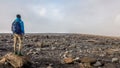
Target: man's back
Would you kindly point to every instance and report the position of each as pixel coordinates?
(18, 26)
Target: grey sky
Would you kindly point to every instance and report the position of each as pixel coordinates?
(69, 16)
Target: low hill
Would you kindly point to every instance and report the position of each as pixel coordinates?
(47, 49)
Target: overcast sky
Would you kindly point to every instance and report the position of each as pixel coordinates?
(101, 17)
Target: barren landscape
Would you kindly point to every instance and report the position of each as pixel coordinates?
(59, 50)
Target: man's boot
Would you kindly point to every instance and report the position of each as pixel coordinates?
(20, 53)
(15, 52)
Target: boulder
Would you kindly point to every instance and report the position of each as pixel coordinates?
(68, 60)
(88, 60)
(16, 61)
(109, 65)
(115, 60)
(98, 64)
(81, 65)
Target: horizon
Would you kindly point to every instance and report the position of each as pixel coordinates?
(70, 33)
(96, 17)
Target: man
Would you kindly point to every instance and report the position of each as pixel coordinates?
(18, 32)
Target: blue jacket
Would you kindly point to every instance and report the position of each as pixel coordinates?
(21, 26)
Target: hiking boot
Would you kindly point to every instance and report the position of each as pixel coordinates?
(20, 54)
(15, 52)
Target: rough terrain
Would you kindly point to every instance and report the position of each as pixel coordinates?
(47, 50)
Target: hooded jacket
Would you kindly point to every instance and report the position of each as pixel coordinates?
(18, 20)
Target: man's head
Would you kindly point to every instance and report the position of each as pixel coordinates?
(18, 16)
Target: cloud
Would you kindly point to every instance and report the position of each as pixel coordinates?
(48, 12)
(71, 16)
(42, 12)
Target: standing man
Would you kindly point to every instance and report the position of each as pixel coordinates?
(18, 32)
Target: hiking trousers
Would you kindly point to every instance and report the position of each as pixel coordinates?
(18, 40)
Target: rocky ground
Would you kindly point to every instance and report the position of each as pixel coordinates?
(51, 50)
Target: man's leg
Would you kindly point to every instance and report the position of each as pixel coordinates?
(20, 38)
(15, 43)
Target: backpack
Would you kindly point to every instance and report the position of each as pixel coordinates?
(16, 27)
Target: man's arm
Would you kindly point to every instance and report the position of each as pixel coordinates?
(12, 27)
(22, 28)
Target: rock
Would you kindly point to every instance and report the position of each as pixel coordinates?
(86, 47)
(34, 53)
(3, 49)
(97, 64)
(68, 60)
(116, 50)
(115, 60)
(72, 46)
(4, 40)
(16, 61)
(102, 55)
(80, 51)
(112, 51)
(4, 64)
(53, 48)
(109, 65)
(2, 61)
(45, 45)
(87, 65)
(50, 66)
(39, 44)
(88, 60)
(77, 59)
(9, 41)
(30, 51)
(35, 39)
(29, 45)
(81, 65)
(38, 49)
